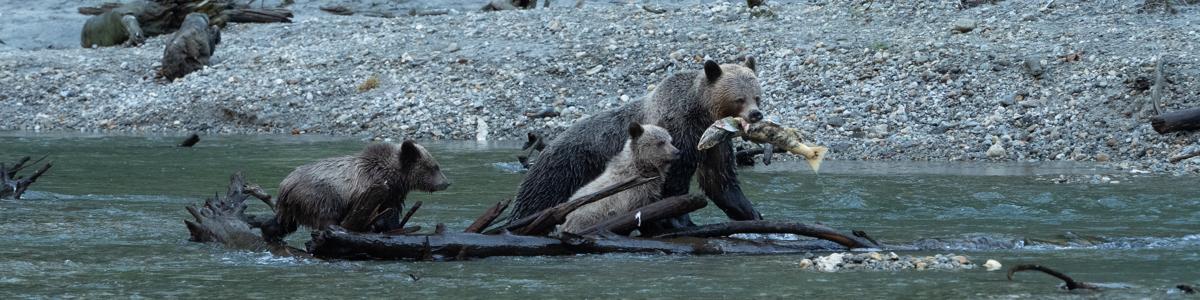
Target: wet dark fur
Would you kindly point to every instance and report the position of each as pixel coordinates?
(320, 194)
(579, 155)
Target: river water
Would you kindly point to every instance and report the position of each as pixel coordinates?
(106, 221)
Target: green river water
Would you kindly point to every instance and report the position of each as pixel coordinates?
(106, 222)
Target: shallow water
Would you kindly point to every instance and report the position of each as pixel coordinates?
(106, 221)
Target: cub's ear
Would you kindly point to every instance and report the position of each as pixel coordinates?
(635, 130)
(751, 64)
(409, 151)
(712, 71)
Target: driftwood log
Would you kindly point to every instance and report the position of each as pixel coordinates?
(13, 186)
(223, 220)
(1183, 120)
(341, 244)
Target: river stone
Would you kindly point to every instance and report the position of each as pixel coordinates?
(965, 25)
(1033, 66)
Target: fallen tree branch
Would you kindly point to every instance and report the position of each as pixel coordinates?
(1156, 91)
(488, 216)
(1071, 283)
(735, 227)
(258, 15)
(547, 219)
(410, 213)
(1182, 157)
(662, 209)
(560, 211)
(97, 10)
(223, 220)
(14, 186)
(1183, 120)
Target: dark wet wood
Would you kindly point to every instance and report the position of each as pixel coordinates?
(224, 221)
(410, 213)
(659, 210)
(490, 215)
(96, 10)
(190, 141)
(1071, 283)
(809, 230)
(337, 243)
(1183, 120)
(543, 222)
(258, 15)
(12, 185)
(1182, 157)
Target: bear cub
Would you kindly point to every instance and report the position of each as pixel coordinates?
(322, 193)
(648, 153)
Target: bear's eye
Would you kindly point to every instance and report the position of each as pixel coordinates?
(740, 100)
(661, 143)
(757, 99)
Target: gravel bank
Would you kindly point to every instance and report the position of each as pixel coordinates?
(903, 81)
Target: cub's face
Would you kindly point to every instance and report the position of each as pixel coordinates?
(423, 171)
(734, 90)
(652, 145)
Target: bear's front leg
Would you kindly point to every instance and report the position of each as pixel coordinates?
(718, 179)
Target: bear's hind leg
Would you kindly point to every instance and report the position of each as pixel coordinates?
(274, 231)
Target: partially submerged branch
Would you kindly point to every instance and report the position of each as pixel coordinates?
(1071, 284)
(224, 221)
(735, 227)
(14, 186)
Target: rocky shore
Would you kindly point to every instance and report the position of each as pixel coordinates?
(915, 80)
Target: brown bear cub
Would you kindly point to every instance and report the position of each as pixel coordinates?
(647, 153)
(321, 194)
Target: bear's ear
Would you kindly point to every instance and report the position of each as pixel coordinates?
(409, 151)
(751, 64)
(635, 130)
(712, 71)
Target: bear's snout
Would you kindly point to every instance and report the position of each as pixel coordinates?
(755, 116)
(441, 186)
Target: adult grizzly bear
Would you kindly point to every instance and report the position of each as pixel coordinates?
(684, 103)
(320, 194)
(647, 153)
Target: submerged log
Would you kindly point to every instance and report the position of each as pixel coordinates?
(337, 243)
(735, 227)
(14, 186)
(1183, 120)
